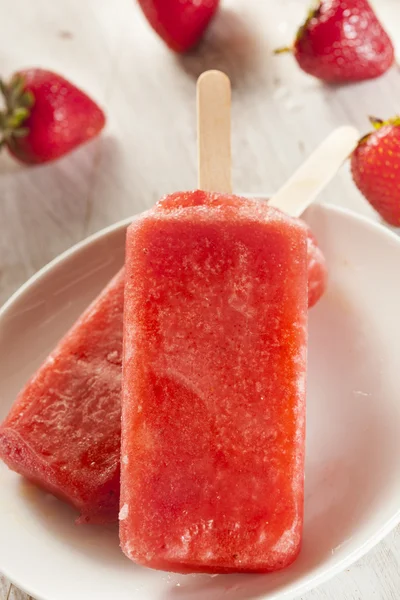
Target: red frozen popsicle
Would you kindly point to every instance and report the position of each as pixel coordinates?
(214, 386)
(63, 432)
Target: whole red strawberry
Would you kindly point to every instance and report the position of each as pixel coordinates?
(180, 23)
(342, 41)
(375, 165)
(46, 116)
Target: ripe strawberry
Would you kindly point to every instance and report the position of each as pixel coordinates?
(46, 116)
(375, 165)
(180, 23)
(342, 41)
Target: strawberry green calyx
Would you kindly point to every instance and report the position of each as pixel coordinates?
(313, 12)
(379, 123)
(18, 101)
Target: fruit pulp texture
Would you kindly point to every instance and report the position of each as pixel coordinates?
(63, 432)
(215, 329)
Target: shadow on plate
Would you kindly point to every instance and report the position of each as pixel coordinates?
(100, 541)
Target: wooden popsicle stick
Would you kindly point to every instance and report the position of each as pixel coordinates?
(214, 132)
(317, 171)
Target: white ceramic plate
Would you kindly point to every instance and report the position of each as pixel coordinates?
(353, 458)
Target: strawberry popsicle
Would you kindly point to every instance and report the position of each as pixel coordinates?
(63, 432)
(213, 413)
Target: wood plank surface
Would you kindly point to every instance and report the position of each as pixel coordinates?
(279, 116)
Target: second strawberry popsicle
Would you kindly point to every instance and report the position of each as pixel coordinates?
(63, 431)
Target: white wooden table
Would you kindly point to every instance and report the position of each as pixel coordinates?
(279, 116)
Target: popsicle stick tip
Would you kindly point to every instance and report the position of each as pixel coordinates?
(214, 132)
(348, 132)
(348, 128)
(213, 76)
(316, 172)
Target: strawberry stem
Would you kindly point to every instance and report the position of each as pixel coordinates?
(18, 102)
(283, 50)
